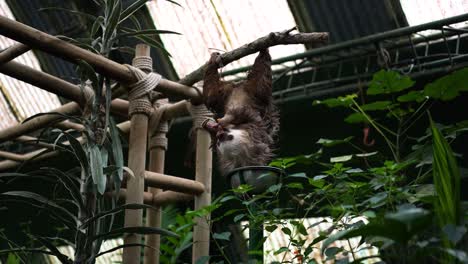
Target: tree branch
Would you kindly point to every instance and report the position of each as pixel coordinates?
(272, 39)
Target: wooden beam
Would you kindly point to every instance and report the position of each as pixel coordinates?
(55, 46)
(136, 162)
(173, 183)
(203, 173)
(38, 122)
(12, 52)
(55, 85)
(157, 154)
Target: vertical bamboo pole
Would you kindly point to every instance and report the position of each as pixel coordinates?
(157, 146)
(136, 162)
(203, 171)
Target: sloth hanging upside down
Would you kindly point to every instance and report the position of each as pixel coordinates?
(247, 121)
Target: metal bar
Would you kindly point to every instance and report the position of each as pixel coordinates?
(363, 41)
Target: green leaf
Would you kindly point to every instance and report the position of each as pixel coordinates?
(97, 173)
(386, 82)
(449, 86)
(454, 233)
(98, 23)
(112, 19)
(447, 180)
(344, 101)
(147, 32)
(375, 106)
(412, 96)
(355, 118)
(286, 230)
(295, 185)
(116, 152)
(298, 175)
(134, 7)
(153, 43)
(239, 217)
(222, 236)
(203, 260)
(332, 142)
(341, 158)
(281, 250)
(332, 251)
(54, 250)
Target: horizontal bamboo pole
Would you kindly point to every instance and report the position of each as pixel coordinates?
(55, 85)
(161, 199)
(70, 125)
(12, 52)
(10, 164)
(55, 46)
(170, 197)
(173, 183)
(38, 122)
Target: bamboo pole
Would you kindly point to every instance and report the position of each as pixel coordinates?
(174, 183)
(161, 199)
(55, 46)
(55, 85)
(38, 122)
(203, 171)
(136, 162)
(157, 146)
(12, 52)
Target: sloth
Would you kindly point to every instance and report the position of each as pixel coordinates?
(247, 122)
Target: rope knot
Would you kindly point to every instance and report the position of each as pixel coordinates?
(140, 91)
(199, 114)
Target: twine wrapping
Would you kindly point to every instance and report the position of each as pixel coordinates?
(158, 127)
(140, 91)
(199, 114)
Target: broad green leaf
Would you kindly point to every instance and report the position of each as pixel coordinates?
(412, 96)
(95, 161)
(449, 86)
(379, 105)
(222, 236)
(295, 185)
(356, 118)
(386, 82)
(281, 250)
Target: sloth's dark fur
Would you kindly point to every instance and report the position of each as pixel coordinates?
(248, 122)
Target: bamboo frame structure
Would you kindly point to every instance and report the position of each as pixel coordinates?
(136, 162)
(156, 164)
(175, 188)
(203, 173)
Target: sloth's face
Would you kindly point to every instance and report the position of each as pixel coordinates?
(232, 140)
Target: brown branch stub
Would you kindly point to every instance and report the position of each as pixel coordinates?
(272, 39)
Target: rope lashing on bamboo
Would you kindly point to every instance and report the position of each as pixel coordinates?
(143, 63)
(199, 114)
(158, 129)
(140, 92)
